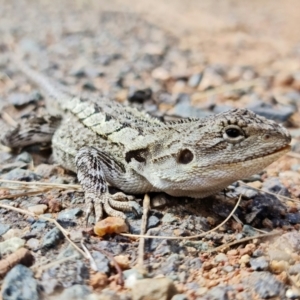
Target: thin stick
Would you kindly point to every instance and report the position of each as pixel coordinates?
(116, 265)
(267, 192)
(146, 207)
(187, 237)
(47, 184)
(90, 257)
(12, 196)
(260, 236)
(64, 232)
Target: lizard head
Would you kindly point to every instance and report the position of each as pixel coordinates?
(200, 157)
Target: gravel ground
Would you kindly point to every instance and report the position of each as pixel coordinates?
(172, 59)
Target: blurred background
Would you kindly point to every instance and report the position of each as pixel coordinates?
(183, 58)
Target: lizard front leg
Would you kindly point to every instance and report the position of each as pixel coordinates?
(92, 164)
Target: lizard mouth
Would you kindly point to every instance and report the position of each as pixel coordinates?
(276, 154)
(283, 150)
(271, 156)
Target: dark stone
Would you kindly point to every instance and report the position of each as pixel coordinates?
(257, 253)
(78, 72)
(163, 249)
(249, 230)
(194, 80)
(293, 218)
(24, 157)
(69, 215)
(194, 263)
(135, 226)
(19, 284)
(139, 95)
(259, 264)
(275, 186)
(153, 221)
(102, 262)
(52, 238)
(89, 86)
(265, 206)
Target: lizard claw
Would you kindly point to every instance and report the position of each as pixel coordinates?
(114, 205)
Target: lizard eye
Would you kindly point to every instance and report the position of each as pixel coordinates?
(185, 156)
(233, 133)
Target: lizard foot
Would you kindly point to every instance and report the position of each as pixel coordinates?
(114, 205)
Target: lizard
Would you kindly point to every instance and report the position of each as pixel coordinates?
(107, 143)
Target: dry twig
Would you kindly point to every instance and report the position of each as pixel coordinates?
(146, 207)
(186, 237)
(64, 232)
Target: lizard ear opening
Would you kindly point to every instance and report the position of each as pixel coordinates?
(185, 156)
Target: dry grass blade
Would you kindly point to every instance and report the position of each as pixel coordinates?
(90, 257)
(146, 207)
(64, 232)
(34, 184)
(250, 238)
(270, 193)
(187, 237)
(116, 265)
(12, 196)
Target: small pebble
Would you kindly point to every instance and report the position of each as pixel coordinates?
(131, 277)
(123, 261)
(278, 266)
(33, 244)
(11, 245)
(244, 260)
(221, 257)
(293, 293)
(38, 209)
(259, 264)
(154, 289)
